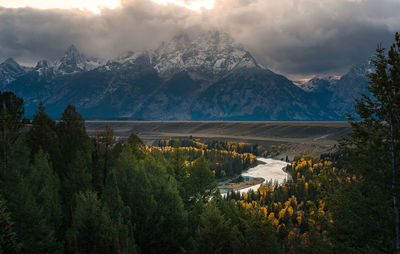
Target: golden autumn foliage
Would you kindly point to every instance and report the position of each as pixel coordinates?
(298, 218)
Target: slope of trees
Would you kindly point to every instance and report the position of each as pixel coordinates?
(63, 192)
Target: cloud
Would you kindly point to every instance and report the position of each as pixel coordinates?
(293, 37)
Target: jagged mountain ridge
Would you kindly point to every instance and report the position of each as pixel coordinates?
(192, 77)
(339, 94)
(10, 70)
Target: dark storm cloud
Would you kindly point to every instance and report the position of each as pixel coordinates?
(28, 34)
(295, 37)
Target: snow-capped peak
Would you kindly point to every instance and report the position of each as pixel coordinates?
(362, 69)
(210, 53)
(42, 64)
(73, 61)
(129, 56)
(10, 70)
(318, 82)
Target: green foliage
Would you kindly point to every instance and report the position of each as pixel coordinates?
(215, 233)
(366, 212)
(120, 216)
(75, 163)
(45, 183)
(178, 169)
(74, 141)
(136, 196)
(169, 220)
(102, 157)
(92, 229)
(42, 135)
(11, 113)
(69, 194)
(224, 159)
(259, 236)
(36, 235)
(200, 182)
(137, 145)
(8, 238)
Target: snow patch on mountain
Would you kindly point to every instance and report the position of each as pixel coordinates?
(212, 54)
(10, 70)
(73, 62)
(320, 82)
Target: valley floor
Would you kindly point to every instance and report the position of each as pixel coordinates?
(298, 137)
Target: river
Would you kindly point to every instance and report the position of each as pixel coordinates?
(270, 169)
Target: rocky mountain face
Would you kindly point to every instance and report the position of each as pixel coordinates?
(10, 71)
(339, 94)
(192, 77)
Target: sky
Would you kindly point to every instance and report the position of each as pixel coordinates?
(296, 38)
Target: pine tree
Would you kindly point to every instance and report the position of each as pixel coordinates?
(259, 236)
(45, 183)
(215, 233)
(31, 225)
(177, 164)
(8, 238)
(92, 228)
(71, 131)
(42, 135)
(136, 193)
(75, 163)
(169, 219)
(200, 181)
(137, 146)
(11, 113)
(102, 157)
(120, 216)
(373, 151)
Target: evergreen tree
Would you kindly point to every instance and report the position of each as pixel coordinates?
(92, 229)
(200, 181)
(137, 146)
(42, 135)
(46, 185)
(17, 168)
(120, 216)
(11, 114)
(259, 236)
(71, 131)
(8, 238)
(373, 150)
(31, 225)
(169, 219)
(28, 190)
(136, 193)
(178, 168)
(215, 233)
(75, 163)
(102, 157)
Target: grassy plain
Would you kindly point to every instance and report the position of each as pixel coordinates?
(297, 137)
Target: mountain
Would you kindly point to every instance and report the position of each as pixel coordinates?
(339, 94)
(349, 87)
(203, 76)
(10, 71)
(209, 55)
(73, 62)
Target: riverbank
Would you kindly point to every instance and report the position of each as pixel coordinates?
(269, 170)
